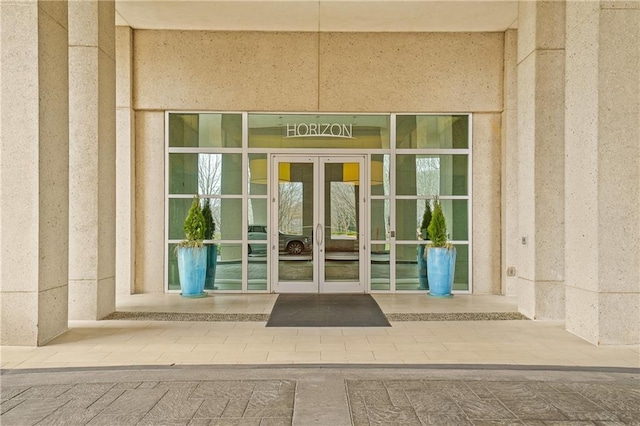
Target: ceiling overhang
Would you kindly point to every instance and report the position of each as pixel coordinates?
(319, 15)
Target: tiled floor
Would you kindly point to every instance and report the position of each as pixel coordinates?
(118, 342)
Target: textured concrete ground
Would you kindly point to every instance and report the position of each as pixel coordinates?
(321, 395)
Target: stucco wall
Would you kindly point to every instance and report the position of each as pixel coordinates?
(332, 72)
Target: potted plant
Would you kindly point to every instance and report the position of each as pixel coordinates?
(441, 255)
(424, 236)
(192, 254)
(212, 250)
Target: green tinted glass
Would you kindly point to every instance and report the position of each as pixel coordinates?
(205, 174)
(429, 175)
(205, 130)
(432, 131)
(319, 131)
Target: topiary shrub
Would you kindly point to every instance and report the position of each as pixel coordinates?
(194, 226)
(426, 220)
(438, 226)
(210, 225)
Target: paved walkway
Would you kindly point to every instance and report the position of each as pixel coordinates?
(336, 396)
(511, 372)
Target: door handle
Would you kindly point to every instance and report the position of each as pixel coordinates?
(319, 234)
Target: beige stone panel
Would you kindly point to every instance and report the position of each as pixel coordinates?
(22, 329)
(106, 33)
(526, 170)
(91, 299)
(549, 165)
(550, 24)
(619, 4)
(33, 174)
(581, 148)
(53, 161)
(57, 10)
(83, 299)
(150, 198)
(92, 24)
(619, 318)
(124, 39)
(486, 203)
(526, 298)
(411, 72)
(550, 300)
(225, 70)
(52, 313)
(106, 184)
(83, 22)
(125, 200)
(83, 159)
(582, 313)
(509, 166)
(619, 151)
(526, 29)
(20, 151)
(541, 25)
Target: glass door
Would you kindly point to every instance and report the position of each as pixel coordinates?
(317, 237)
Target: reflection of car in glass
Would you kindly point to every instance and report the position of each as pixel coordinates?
(292, 244)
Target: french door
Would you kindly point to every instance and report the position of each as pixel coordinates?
(317, 230)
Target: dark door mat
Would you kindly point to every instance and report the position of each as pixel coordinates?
(326, 310)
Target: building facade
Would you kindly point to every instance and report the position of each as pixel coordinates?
(317, 151)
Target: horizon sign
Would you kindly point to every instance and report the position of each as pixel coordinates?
(320, 130)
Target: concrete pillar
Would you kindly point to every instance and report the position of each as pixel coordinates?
(150, 199)
(541, 290)
(603, 171)
(34, 171)
(125, 163)
(509, 165)
(92, 150)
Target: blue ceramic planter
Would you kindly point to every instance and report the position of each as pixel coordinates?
(441, 264)
(192, 268)
(422, 268)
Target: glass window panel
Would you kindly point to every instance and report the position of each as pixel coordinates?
(380, 169)
(212, 266)
(174, 277)
(205, 130)
(257, 271)
(206, 174)
(258, 166)
(178, 209)
(257, 218)
(227, 213)
(432, 131)
(407, 267)
(229, 268)
(380, 220)
(343, 215)
(429, 175)
(461, 275)
(319, 131)
(380, 267)
(455, 211)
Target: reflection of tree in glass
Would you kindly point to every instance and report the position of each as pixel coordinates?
(290, 207)
(343, 208)
(210, 179)
(209, 173)
(428, 175)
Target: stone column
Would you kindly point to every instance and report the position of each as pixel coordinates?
(541, 290)
(34, 171)
(92, 150)
(125, 163)
(603, 171)
(509, 166)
